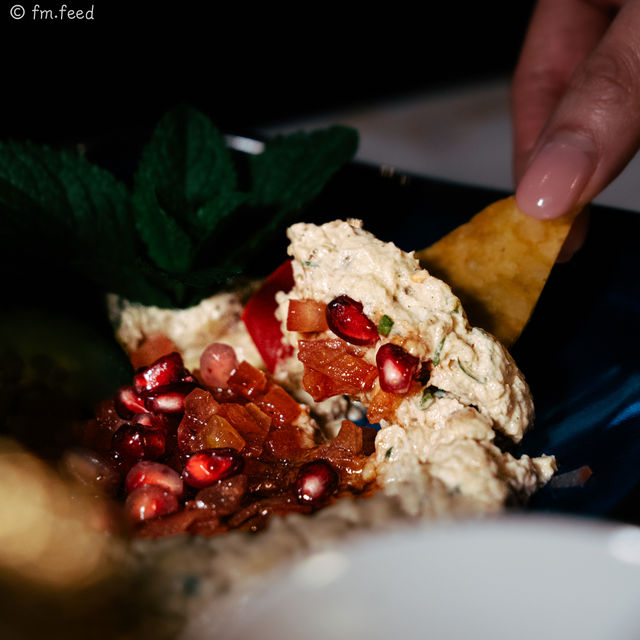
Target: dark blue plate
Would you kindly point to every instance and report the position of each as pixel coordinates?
(581, 351)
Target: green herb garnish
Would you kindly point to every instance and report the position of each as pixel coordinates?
(436, 355)
(426, 399)
(189, 223)
(471, 375)
(384, 326)
(387, 453)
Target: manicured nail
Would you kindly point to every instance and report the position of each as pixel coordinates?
(554, 181)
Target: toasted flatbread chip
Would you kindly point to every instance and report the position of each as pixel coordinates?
(497, 264)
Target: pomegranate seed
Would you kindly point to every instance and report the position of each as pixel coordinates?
(91, 469)
(164, 371)
(127, 402)
(137, 442)
(169, 400)
(150, 501)
(217, 362)
(396, 368)
(347, 320)
(155, 473)
(206, 467)
(316, 482)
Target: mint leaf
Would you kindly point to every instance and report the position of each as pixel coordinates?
(65, 206)
(209, 216)
(287, 175)
(188, 165)
(168, 245)
(185, 230)
(293, 169)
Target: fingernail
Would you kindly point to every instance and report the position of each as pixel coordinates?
(552, 184)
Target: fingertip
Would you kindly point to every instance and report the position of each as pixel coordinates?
(555, 179)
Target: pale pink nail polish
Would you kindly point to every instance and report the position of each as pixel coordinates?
(554, 181)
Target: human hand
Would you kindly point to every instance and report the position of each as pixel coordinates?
(575, 105)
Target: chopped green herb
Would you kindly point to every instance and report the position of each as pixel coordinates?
(308, 263)
(436, 355)
(387, 453)
(384, 326)
(427, 398)
(185, 227)
(471, 375)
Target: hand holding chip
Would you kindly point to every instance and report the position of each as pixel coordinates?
(575, 105)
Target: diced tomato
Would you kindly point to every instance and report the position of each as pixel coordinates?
(320, 387)
(260, 320)
(383, 405)
(277, 403)
(349, 437)
(334, 359)
(250, 422)
(150, 350)
(307, 315)
(284, 444)
(247, 381)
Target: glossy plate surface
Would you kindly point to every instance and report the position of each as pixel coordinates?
(526, 578)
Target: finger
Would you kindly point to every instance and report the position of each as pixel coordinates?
(594, 130)
(560, 36)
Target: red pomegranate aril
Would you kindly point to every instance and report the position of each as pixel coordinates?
(306, 316)
(316, 482)
(170, 400)
(91, 469)
(150, 501)
(217, 362)
(206, 467)
(347, 320)
(127, 402)
(137, 442)
(396, 368)
(155, 473)
(166, 370)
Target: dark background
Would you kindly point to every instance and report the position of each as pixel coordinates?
(112, 77)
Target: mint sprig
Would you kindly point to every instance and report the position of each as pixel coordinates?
(187, 226)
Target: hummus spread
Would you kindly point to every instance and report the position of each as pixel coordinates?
(446, 434)
(192, 330)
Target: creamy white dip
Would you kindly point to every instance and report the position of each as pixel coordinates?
(214, 319)
(449, 437)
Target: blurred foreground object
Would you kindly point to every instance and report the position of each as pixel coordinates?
(62, 572)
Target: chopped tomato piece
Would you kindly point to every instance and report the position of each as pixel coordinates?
(247, 381)
(320, 387)
(307, 315)
(383, 406)
(284, 444)
(150, 350)
(278, 404)
(333, 359)
(248, 423)
(260, 320)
